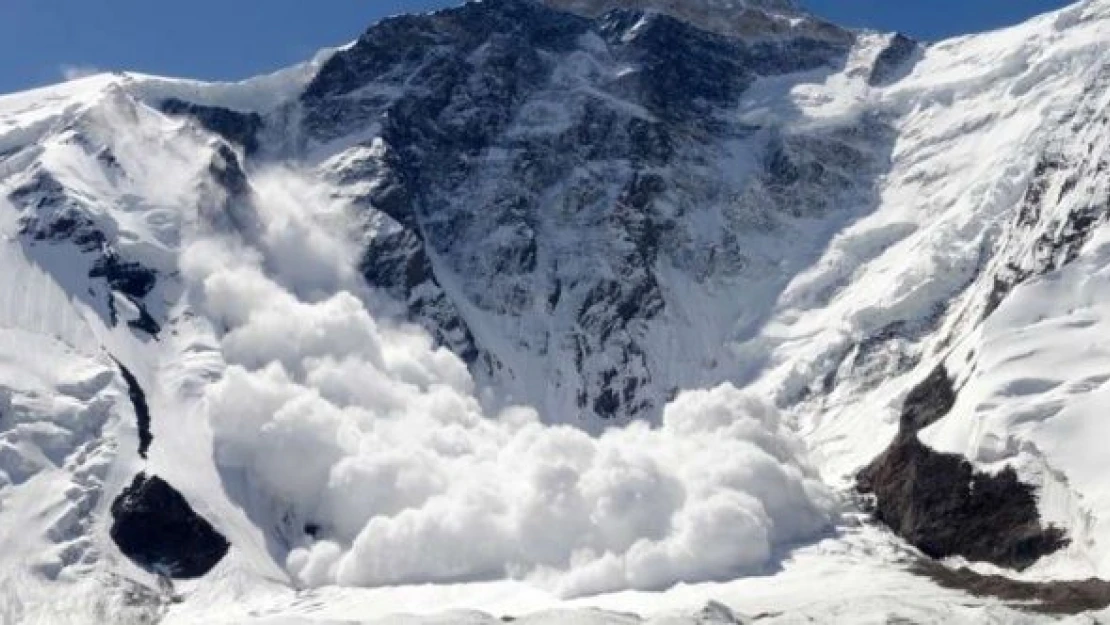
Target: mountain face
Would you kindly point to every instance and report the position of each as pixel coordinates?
(752, 19)
(572, 134)
(561, 299)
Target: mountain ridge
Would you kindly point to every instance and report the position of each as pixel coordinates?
(725, 261)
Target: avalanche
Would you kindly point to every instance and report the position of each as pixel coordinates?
(404, 478)
(588, 317)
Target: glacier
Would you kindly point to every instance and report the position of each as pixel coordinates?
(564, 312)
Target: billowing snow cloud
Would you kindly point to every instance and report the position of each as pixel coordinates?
(363, 429)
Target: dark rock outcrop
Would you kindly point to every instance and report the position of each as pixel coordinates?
(129, 278)
(52, 215)
(941, 505)
(132, 280)
(227, 171)
(142, 410)
(758, 19)
(1058, 597)
(505, 130)
(55, 215)
(895, 61)
(237, 127)
(156, 528)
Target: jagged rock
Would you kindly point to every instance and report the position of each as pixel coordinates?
(927, 403)
(145, 323)
(227, 171)
(155, 527)
(895, 61)
(237, 127)
(42, 190)
(940, 504)
(126, 277)
(131, 280)
(53, 215)
(755, 19)
(471, 201)
(142, 410)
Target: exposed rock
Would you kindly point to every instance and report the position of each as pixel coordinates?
(142, 410)
(895, 61)
(52, 215)
(927, 403)
(237, 127)
(133, 281)
(753, 19)
(126, 277)
(1066, 199)
(227, 171)
(1056, 597)
(145, 323)
(155, 527)
(473, 198)
(717, 613)
(942, 506)
(42, 190)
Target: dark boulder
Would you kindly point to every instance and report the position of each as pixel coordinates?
(156, 528)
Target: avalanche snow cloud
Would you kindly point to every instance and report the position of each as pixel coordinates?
(386, 309)
(363, 432)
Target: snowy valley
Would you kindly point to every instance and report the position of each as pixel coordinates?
(574, 311)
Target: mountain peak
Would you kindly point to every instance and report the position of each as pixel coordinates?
(595, 7)
(735, 18)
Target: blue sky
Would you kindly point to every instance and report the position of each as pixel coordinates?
(41, 41)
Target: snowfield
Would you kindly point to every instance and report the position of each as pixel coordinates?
(368, 465)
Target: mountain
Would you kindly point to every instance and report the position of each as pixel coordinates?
(565, 311)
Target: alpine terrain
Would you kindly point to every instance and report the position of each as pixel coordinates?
(601, 312)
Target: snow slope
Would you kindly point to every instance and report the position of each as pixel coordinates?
(517, 312)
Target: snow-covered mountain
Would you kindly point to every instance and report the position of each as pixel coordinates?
(565, 311)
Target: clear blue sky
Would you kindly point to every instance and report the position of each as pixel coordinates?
(42, 40)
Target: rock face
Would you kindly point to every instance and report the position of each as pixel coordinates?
(941, 505)
(237, 127)
(753, 19)
(599, 203)
(513, 141)
(155, 527)
(895, 61)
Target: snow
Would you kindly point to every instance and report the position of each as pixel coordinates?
(966, 150)
(1034, 400)
(400, 467)
(853, 578)
(288, 396)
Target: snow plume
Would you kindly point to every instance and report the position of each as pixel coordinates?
(71, 72)
(366, 432)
